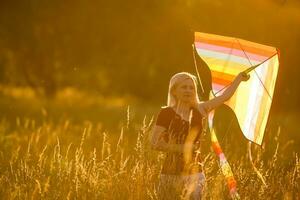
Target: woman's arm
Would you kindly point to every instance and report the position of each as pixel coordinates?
(207, 106)
(159, 144)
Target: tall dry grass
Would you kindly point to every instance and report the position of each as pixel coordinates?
(81, 161)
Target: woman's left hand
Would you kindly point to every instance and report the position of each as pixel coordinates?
(243, 76)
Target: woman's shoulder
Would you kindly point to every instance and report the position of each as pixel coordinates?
(165, 107)
(166, 110)
(164, 116)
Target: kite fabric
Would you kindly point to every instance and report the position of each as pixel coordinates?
(226, 58)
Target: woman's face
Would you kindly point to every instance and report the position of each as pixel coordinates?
(185, 91)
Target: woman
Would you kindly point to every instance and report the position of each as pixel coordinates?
(177, 132)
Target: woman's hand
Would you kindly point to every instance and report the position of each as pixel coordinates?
(243, 76)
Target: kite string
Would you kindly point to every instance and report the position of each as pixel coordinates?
(260, 176)
(196, 66)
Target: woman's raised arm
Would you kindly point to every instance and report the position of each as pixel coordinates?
(205, 107)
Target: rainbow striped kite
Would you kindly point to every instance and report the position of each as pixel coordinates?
(228, 56)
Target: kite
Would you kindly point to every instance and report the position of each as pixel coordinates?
(226, 58)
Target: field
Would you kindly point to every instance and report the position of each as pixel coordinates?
(48, 154)
(81, 83)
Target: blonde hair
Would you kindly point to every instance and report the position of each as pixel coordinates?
(175, 80)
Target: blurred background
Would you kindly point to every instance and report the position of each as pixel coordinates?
(104, 60)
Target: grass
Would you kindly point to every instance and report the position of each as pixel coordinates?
(42, 158)
(67, 161)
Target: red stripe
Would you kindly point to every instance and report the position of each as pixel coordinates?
(217, 148)
(231, 182)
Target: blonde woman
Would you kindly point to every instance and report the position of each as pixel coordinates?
(177, 132)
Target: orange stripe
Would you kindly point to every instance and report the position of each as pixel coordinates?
(254, 50)
(231, 39)
(235, 45)
(222, 75)
(220, 81)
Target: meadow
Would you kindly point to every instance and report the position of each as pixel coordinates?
(52, 153)
(81, 83)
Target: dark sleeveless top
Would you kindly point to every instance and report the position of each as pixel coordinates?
(180, 131)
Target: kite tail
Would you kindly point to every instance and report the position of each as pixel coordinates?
(260, 176)
(224, 165)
